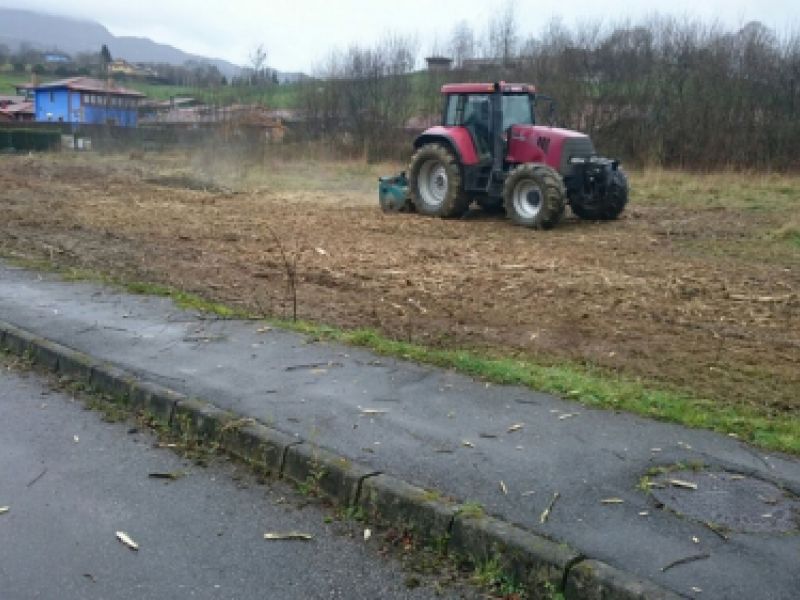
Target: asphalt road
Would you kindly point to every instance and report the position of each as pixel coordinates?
(71, 480)
(446, 432)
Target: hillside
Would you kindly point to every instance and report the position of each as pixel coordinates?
(49, 32)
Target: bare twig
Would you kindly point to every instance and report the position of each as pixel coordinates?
(317, 365)
(37, 478)
(125, 539)
(290, 268)
(173, 475)
(546, 514)
(289, 535)
(687, 559)
(718, 530)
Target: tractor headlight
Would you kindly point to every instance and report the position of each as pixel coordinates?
(582, 160)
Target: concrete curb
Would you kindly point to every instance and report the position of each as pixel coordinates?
(543, 566)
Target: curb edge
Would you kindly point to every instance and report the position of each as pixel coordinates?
(540, 564)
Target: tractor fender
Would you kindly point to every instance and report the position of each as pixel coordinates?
(456, 139)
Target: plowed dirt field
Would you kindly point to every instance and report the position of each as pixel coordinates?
(697, 286)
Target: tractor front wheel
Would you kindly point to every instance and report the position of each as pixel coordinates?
(534, 196)
(434, 182)
(608, 206)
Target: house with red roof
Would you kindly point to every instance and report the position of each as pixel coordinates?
(86, 100)
(15, 108)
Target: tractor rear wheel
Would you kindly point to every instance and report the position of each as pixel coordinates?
(434, 182)
(534, 196)
(609, 206)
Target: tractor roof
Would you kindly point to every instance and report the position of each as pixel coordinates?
(483, 88)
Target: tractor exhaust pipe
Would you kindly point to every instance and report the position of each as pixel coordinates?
(497, 131)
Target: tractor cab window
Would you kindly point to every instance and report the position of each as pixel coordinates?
(517, 110)
(452, 109)
(477, 116)
(476, 110)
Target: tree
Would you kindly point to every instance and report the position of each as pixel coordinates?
(503, 34)
(258, 62)
(105, 58)
(364, 96)
(462, 44)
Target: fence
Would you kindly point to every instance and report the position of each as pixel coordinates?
(105, 138)
(29, 139)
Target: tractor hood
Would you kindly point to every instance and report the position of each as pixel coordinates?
(551, 145)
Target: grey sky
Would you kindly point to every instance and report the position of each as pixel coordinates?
(298, 34)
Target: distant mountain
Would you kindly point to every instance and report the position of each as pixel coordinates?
(51, 32)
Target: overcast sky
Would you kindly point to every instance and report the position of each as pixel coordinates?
(299, 33)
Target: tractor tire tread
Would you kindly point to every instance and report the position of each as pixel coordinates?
(553, 190)
(613, 204)
(456, 202)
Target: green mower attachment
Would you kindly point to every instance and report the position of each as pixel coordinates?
(393, 193)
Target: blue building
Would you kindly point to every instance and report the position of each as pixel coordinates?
(85, 100)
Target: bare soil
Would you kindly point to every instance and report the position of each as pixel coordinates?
(697, 286)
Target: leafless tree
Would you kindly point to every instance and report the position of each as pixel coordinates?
(669, 91)
(503, 37)
(364, 95)
(462, 44)
(258, 63)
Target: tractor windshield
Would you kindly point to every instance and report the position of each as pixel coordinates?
(517, 110)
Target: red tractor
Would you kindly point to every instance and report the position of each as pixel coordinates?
(489, 149)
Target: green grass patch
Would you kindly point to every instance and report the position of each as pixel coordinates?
(789, 233)
(491, 576)
(9, 81)
(472, 510)
(273, 96)
(184, 300)
(591, 386)
(766, 192)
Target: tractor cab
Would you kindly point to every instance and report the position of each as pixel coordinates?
(490, 150)
(466, 106)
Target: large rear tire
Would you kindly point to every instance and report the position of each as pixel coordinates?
(534, 196)
(434, 182)
(609, 207)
